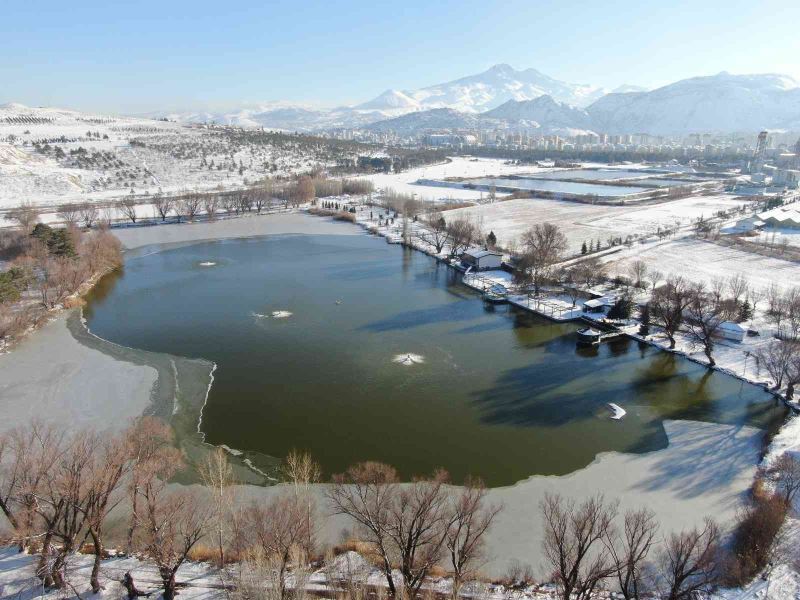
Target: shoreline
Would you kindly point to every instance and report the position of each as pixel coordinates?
(671, 479)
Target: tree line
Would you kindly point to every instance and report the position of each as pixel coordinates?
(58, 491)
(47, 267)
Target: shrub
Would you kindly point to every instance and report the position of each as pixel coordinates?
(621, 309)
(754, 536)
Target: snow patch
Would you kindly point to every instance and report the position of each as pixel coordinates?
(409, 359)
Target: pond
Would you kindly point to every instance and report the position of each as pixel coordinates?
(563, 187)
(354, 349)
(594, 174)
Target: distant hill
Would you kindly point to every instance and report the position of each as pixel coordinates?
(719, 103)
(528, 99)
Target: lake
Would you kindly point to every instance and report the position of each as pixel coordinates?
(563, 187)
(496, 392)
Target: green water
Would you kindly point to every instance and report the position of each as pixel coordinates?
(501, 394)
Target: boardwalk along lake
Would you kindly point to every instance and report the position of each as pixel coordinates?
(489, 391)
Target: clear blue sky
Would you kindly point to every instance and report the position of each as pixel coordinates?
(130, 56)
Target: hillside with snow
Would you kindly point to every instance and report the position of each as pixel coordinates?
(544, 114)
(718, 103)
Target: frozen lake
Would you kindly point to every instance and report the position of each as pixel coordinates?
(355, 349)
(566, 187)
(594, 174)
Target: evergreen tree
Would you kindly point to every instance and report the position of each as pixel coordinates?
(491, 239)
(745, 312)
(621, 309)
(644, 318)
(583, 248)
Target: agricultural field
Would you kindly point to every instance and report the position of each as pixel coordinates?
(701, 261)
(458, 166)
(584, 222)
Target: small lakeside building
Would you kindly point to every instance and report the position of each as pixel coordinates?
(482, 260)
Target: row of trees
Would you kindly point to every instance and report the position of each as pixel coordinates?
(58, 490)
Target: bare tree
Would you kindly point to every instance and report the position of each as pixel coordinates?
(738, 287)
(262, 195)
(190, 205)
(89, 214)
(217, 475)
(277, 533)
(304, 191)
(589, 271)
(755, 296)
(151, 452)
(163, 205)
(668, 304)
(572, 277)
(793, 372)
(366, 493)
(469, 521)
(777, 358)
(70, 213)
(786, 471)
(210, 204)
(434, 232)
(127, 206)
(28, 454)
(62, 503)
(655, 278)
(638, 272)
(26, 216)
(461, 234)
(406, 524)
(688, 562)
(112, 465)
(302, 471)
(544, 245)
(573, 543)
(172, 526)
(629, 551)
(245, 201)
(705, 315)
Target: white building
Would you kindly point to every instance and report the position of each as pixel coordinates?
(732, 331)
(783, 217)
(482, 260)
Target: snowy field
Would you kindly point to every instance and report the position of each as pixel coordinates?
(701, 261)
(458, 166)
(583, 222)
(776, 237)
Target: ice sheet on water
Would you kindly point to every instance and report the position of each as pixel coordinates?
(409, 359)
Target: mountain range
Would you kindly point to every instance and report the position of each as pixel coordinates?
(530, 100)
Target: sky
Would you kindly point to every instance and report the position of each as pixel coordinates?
(128, 56)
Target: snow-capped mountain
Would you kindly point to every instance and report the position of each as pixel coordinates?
(528, 99)
(390, 100)
(501, 83)
(543, 113)
(473, 94)
(435, 119)
(716, 103)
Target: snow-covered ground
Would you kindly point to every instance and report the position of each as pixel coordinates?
(701, 261)
(459, 166)
(776, 237)
(50, 156)
(585, 222)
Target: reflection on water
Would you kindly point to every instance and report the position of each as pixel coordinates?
(500, 393)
